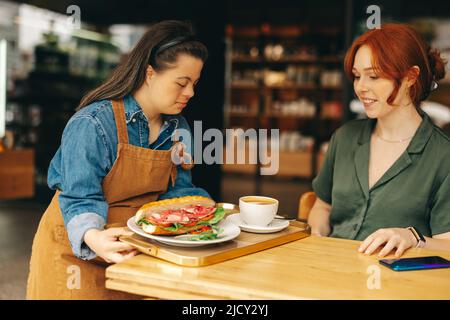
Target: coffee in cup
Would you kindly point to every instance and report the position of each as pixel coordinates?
(257, 210)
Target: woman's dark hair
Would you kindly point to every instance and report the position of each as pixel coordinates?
(159, 46)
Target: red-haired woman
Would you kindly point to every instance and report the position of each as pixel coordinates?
(386, 179)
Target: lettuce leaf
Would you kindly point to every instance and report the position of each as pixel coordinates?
(219, 214)
(174, 227)
(207, 235)
(143, 221)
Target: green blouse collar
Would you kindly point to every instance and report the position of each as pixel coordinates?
(419, 140)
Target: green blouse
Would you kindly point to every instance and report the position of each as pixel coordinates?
(415, 191)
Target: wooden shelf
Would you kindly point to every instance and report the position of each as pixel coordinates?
(242, 32)
(17, 174)
(292, 86)
(310, 59)
(239, 168)
(332, 59)
(281, 116)
(291, 164)
(296, 164)
(247, 60)
(330, 119)
(244, 85)
(284, 86)
(242, 114)
(331, 87)
(288, 85)
(246, 168)
(290, 116)
(274, 115)
(288, 59)
(294, 59)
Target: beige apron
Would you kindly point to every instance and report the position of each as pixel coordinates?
(138, 176)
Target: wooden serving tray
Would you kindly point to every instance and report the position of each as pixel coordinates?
(244, 244)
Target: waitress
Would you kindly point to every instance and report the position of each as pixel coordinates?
(386, 179)
(115, 156)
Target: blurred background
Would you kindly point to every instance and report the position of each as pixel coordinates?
(272, 64)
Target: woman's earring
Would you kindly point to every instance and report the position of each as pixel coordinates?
(434, 85)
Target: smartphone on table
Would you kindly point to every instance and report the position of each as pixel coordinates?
(418, 263)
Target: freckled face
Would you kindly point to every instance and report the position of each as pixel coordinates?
(372, 90)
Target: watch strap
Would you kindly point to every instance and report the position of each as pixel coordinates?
(419, 237)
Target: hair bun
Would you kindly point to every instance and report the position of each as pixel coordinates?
(437, 64)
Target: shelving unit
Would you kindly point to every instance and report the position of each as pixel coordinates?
(279, 78)
(40, 105)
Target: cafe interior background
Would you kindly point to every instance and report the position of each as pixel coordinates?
(272, 64)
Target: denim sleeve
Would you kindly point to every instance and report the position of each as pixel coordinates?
(183, 187)
(183, 184)
(77, 227)
(83, 165)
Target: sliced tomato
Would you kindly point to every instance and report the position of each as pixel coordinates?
(159, 222)
(201, 230)
(208, 217)
(191, 223)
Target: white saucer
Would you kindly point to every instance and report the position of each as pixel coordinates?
(275, 226)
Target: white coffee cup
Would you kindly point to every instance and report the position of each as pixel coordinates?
(258, 210)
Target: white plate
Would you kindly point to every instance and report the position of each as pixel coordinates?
(230, 231)
(275, 226)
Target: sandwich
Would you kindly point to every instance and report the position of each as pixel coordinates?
(194, 215)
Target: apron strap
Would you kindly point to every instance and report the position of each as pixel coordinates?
(121, 123)
(173, 170)
(173, 174)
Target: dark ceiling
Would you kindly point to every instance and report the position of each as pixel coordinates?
(107, 12)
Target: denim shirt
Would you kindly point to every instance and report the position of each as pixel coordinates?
(87, 153)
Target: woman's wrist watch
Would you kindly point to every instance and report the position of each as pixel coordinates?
(419, 237)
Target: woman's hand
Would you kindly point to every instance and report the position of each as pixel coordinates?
(391, 238)
(321, 231)
(106, 244)
(319, 218)
(181, 157)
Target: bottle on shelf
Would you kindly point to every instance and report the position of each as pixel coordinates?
(332, 110)
(49, 56)
(331, 78)
(294, 141)
(294, 84)
(302, 107)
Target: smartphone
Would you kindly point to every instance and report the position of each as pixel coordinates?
(419, 263)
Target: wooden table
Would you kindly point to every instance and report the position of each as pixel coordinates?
(310, 268)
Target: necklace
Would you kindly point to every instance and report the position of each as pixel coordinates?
(394, 141)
